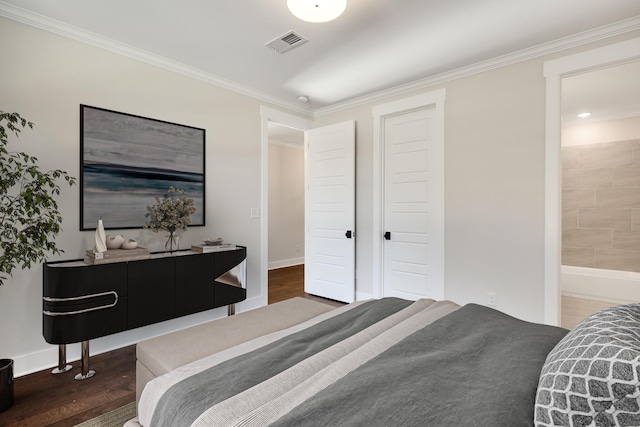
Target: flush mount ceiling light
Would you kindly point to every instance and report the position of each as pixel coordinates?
(317, 10)
(584, 115)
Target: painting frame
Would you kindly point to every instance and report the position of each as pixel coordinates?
(126, 161)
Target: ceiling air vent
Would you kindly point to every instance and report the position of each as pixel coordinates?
(286, 42)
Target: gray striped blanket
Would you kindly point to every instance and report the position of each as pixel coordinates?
(383, 362)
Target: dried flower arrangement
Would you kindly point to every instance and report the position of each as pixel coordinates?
(171, 213)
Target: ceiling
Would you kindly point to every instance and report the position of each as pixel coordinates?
(609, 93)
(374, 46)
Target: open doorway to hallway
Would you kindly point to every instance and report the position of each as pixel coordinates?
(286, 212)
(286, 225)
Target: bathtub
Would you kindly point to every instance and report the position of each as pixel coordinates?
(619, 287)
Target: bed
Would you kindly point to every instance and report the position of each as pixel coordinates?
(396, 362)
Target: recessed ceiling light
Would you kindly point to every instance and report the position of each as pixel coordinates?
(317, 10)
(584, 115)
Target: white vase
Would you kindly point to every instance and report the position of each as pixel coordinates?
(114, 242)
(129, 244)
(100, 238)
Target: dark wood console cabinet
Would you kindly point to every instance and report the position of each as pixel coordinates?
(82, 302)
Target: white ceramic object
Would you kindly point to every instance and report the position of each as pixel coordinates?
(100, 238)
(217, 241)
(114, 242)
(129, 244)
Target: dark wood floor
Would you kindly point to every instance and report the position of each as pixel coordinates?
(43, 399)
(288, 282)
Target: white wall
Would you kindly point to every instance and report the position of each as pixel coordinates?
(494, 185)
(494, 166)
(45, 78)
(599, 132)
(494, 188)
(286, 205)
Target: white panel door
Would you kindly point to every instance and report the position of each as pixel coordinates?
(330, 212)
(413, 250)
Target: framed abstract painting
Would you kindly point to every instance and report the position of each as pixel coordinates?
(126, 161)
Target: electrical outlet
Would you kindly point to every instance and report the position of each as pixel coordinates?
(492, 299)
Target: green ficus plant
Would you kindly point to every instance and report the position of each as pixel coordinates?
(29, 216)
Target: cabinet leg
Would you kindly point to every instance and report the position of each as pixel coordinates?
(62, 361)
(85, 372)
(231, 309)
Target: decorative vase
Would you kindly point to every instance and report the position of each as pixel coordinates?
(114, 242)
(129, 244)
(100, 238)
(6, 384)
(173, 242)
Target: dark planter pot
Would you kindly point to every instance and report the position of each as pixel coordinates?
(6, 384)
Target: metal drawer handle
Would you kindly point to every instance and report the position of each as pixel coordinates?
(86, 310)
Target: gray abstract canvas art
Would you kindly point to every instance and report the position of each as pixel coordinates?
(128, 160)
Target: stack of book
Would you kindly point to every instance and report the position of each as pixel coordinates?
(213, 248)
(116, 255)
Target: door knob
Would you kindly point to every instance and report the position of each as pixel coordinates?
(387, 235)
(348, 234)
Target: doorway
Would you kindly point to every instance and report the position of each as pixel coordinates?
(600, 144)
(267, 116)
(286, 212)
(554, 71)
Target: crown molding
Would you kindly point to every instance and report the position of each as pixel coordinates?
(57, 27)
(575, 40)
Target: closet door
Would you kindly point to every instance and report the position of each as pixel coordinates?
(413, 250)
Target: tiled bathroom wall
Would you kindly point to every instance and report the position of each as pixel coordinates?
(601, 205)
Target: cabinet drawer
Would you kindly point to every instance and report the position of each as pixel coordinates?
(65, 282)
(194, 283)
(151, 291)
(228, 294)
(68, 322)
(226, 260)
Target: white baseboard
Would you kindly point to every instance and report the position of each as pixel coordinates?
(251, 303)
(285, 263)
(362, 296)
(48, 357)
